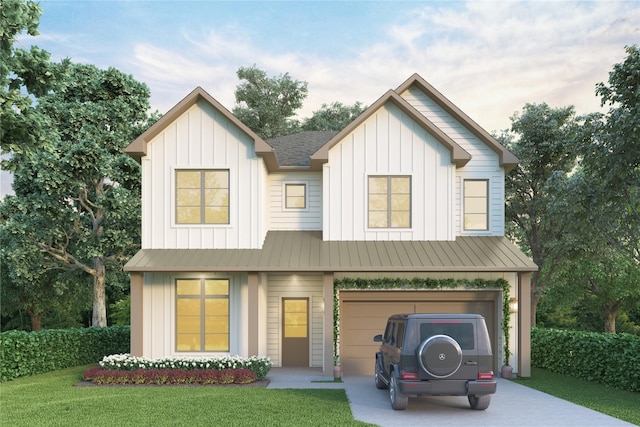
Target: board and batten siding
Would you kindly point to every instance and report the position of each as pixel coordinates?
(484, 163)
(281, 218)
(284, 285)
(389, 143)
(202, 138)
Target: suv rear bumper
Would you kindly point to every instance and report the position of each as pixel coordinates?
(446, 387)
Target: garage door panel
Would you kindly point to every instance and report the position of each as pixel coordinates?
(363, 318)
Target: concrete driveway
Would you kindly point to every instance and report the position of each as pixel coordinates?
(512, 405)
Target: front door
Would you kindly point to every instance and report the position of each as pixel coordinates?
(295, 332)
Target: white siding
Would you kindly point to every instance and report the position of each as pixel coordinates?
(484, 163)
(309, 218)
(295, 285)
(202, 138)
(389, 143)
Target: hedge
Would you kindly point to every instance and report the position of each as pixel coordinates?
(610, 359)
(30, 353)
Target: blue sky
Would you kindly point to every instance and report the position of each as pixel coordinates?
(488, 57)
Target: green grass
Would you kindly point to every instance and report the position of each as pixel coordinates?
(621, 404)
(51, 400)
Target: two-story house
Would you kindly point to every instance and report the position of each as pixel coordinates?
(243, 239)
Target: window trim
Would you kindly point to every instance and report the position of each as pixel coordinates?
(285, 185)
(174, 196)
(487, 205)
(389, 211)
(202, 298)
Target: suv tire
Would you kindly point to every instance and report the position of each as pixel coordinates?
(399, 400)
(440, 356)
(380, 384)
(479, 403)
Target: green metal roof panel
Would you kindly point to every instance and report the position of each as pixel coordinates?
(298, 251)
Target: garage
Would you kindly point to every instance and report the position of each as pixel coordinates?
(363, 314)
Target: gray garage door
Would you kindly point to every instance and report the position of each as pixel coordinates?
(363, 314)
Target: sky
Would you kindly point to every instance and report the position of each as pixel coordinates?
(489, 58)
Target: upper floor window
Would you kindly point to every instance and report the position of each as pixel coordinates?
(476, 204)
(295, 196)
(202, 315)
(202, 196)
(389, 202)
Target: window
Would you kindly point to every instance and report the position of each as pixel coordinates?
(476, 204)
(202, 196)
(295, 196)
(389, 202)
(202, 315)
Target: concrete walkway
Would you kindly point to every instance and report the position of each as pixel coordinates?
(512, 405)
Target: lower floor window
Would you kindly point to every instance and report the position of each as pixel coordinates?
(202, 315)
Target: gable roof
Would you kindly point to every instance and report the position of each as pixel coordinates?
(507, 159)
(305, 251)
(138, 148)
(459, 156)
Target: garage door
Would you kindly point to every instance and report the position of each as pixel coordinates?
(363, 314)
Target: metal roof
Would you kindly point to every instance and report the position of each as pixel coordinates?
(305, 251)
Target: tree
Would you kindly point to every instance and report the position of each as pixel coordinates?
(611, 159)
(333, 117)
(266, 104)
(23, 74)
(79, 203)
(544, 140)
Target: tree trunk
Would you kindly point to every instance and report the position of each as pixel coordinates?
(610, 322)
(36, 320)
(99, 294)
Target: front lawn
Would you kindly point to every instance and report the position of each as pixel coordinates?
(51, 399)
(621, 404)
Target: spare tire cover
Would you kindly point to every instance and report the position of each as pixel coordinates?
(440, 356)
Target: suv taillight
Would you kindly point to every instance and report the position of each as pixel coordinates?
(409, 375)
(485, 375)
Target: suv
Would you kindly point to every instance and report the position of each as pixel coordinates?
(435, 354)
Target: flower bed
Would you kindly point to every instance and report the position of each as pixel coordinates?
(127, 369)
(97, 375)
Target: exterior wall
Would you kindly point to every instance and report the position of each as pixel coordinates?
(283, 285)
(389, 143)
(484, 163)
(281, 218)
(202, 138)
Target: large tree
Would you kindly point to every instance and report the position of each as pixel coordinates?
(267, 104)
(611, 159)
(24, 74)
(544, 139)
(79, 202)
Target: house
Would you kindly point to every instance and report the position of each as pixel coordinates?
(243, 240)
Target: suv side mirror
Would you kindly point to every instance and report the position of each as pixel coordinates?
(378, 338)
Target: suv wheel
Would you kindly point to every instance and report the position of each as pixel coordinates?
(398, 399)
(440, 356)
(380, 384)
(479, 403)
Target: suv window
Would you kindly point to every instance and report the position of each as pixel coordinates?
(400, 335)
(461, 332)
(388, 332)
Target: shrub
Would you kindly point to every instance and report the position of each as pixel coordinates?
(258, 365)
(29, 353)
(610, 359)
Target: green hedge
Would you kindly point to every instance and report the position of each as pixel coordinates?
(611, 359)
(29, 353)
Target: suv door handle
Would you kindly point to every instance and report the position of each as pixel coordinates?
(471, 363)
